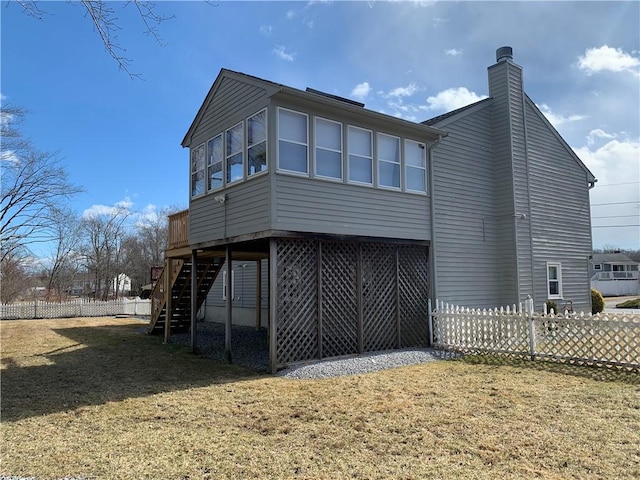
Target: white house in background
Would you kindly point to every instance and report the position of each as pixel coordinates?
(614, 274)
(121, 284)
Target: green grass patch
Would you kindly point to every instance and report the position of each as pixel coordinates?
(96, 398)
(633, 303)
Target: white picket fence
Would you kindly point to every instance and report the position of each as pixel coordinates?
(75, 308)
(603, 339)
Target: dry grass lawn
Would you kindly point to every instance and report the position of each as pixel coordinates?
(97, 398)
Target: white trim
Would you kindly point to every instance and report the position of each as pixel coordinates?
(266, 143)
(222, 162)
(349, 180)
(407, 167)
(204, 170)
(241, 152)
(379, 159)
(316, 147)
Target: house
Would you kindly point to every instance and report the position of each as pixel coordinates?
(614, 274)
(348, 221)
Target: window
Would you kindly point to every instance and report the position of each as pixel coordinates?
(328, 149)
(388, 161)
(415, 166)
(235, 153)
(360, 155)
(257, 143)
(215, 156)
(554, 280)
(597, 266)
(197, 170)
(224, 284)
(293, 141)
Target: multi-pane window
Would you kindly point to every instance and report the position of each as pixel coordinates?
(197, 171)
(235, 152)
(388, 161)
(554, 280)
(328, 149)
(415, 158)
(293, 141)
(215, 155)
(257, 143)
(360, 155)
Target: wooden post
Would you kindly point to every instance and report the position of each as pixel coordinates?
(194, 300)
(273, 304)
(319, 298)
(227, 329)
(168, 265)
(258, 294)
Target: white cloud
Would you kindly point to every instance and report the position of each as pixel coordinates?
(266, 30)
(606, 58)
(454, 52)
(281, 52)
(290, 14)
(453, 98)
(556, 119)
(596, 134)
(9, 156)
(99, 210)
(615, 200)
(361, 90)
(404, 91)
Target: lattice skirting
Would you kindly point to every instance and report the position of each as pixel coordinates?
(339, 298)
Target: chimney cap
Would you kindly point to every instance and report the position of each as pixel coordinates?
(504, 53)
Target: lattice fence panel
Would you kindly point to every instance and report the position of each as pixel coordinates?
(379, 297)
(339, 298)
(297, 328)
(413, 285)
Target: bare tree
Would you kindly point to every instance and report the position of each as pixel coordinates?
(104, 18)
(65, 234)
(104, 235)
(14, 275)
(33, 185)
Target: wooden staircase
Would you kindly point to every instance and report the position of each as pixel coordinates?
(207, 271)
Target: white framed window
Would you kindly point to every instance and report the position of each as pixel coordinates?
(415, 158)
(328, 135)
(597, 266)
(293, 141)
(235, 153)
(215, 157)
(197, 171)
(224, 284)
(388, 161)
(360, 155)
(554, 280)
(257, 143)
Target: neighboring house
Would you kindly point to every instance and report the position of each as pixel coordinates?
(121, 285)
(83, 284)
(614, 274)
(359, 218)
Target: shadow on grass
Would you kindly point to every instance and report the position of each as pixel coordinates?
(599, 373)
(105, 364)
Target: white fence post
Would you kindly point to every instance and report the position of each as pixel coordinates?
(430, 323)
(532, 328)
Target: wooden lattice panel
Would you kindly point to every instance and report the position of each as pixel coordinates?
(339, 298)
(413, 292)
(297, 287)
(379, 297)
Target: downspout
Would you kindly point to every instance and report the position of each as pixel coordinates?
(432, 246)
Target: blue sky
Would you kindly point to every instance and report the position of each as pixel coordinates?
(120, 137)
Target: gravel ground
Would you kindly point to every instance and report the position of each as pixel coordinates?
(250, 349)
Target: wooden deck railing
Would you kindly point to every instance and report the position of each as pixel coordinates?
(178, 230)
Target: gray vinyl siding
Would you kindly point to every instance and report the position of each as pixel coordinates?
(467, 230)
(560, 224)
(319, 206)
(244, 290)
(247, 211)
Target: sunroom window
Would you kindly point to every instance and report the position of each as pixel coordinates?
(257, 143)
(415, 157)
(328, 149)
(197, 171)
(293, 141)
(360, 155)
(215, 157)
(235, 153)
(388, 161)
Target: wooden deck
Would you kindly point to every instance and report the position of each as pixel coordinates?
(178, 242)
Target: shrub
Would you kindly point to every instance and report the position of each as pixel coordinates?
(551, 304)
(597, 302)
